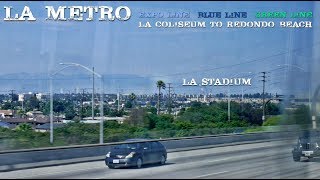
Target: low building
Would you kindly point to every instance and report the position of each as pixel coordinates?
(46, 119)
(6, 125)
(34, 113)
(6, 113)
(46, 127)
(32, 121)
(16, 121)
(97, 119)
(25, 97)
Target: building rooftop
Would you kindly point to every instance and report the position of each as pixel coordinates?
(15, 120)
(46, 126)
(5, 125)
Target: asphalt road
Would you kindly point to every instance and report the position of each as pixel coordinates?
(259, 160)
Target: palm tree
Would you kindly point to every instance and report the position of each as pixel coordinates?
(132, 98)
(160, 84)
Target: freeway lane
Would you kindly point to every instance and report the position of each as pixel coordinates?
(259, 160)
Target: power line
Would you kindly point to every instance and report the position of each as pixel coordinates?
(247, 62)
(202, 70)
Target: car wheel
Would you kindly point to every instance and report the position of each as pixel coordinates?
(139, 163)
(163, 160)
(296, 158)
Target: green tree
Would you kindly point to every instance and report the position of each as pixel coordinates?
(273, 121)
(272, 109)
(136, 117)
(160, 85)
(182, 110)
(152, 109)
(180, 124)
(128, 104)
(164, 122)
(196, 104)
(59, 106)
(6, 106)
(70, 113)
(132, 98)
(301, 115)
(21, 113)
(116, 113)
(33, 103)
(44, 107)
(15, 97)
(149, 120)
(24, 127)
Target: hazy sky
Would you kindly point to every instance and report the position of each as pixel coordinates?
(123, 48)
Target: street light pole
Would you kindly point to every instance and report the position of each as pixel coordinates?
(51, 101)
(93, 73)
(101, 111)
(51, 112)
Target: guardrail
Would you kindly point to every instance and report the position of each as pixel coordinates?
(11, 158)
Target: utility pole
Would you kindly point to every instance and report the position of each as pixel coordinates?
(81, 114)
(263, 95)
(241, 99)
(169, 109)
(229, 111)
(118, 98)
(22, 104)
(12, 112)
(92, 93)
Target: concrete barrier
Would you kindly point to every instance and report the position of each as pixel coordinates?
(14, 157)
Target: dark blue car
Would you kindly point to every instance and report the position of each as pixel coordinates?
(135, 152)
(307, 145)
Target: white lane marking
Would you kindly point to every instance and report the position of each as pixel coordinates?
(217, 160)
(205, 175)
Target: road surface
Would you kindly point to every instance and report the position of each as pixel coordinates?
(259, 160)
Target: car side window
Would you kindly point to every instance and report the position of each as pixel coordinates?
(160, 145)
(154, 145)
(145, 145)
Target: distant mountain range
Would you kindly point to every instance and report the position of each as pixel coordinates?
(113, 83)
(39, 82)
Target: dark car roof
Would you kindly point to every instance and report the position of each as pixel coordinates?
(137, 139)
(310, 133)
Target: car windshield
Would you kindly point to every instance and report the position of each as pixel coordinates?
(126, 146)
(309, 136)
(309, 140)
